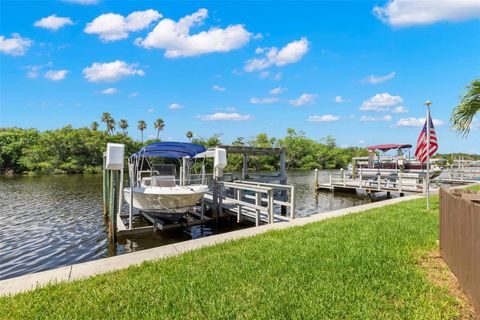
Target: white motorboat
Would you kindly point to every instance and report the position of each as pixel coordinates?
(177, 199)
(156, 186)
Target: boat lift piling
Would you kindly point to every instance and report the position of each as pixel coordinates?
(113, 160)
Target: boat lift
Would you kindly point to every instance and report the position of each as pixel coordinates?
(251, 200)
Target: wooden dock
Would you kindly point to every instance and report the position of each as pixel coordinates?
(253, 201)
(401, 184)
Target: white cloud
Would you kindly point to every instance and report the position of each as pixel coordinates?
(407, 12)
(32, 71)
(151, 110)
(224, 116)
(56, 75)
(340, 99)
(175, 106)
(416, 122)
(218, 88)
(324, 118)
(291, 53)
(399, 109)
(110, 71)
(53, 22)
(84, 2)
(305, 98)
(278, 76)
(14, 46)
(374, 79)
(133, 94)
(380, 102)
(110, 91)
(277, 90)
(267, 100)
(375, 119)
(112, 26)
(361, 141)
(177, 41)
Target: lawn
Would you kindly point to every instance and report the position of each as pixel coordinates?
(475, 187)
(362, 266)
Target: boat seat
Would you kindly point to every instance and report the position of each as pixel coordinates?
(163, 181)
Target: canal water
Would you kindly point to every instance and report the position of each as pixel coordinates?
(52, 221)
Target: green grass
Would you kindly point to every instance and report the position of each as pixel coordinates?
(362, 266)
(475, 187)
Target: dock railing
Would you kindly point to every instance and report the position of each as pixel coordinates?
(255, 200)
(400, 182)
(287, 193)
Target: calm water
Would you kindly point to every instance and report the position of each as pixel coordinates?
(52, 221)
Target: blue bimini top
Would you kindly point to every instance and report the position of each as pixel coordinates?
(169, 150)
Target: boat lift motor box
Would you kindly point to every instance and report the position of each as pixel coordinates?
(115, 156)
(219, 161)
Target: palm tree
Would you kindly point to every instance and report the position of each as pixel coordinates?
(109, 122)
(94, 125)
(159, 125)
(463, 114)
(123, 124)
(189, 135)
(142, 125)
(111, 126)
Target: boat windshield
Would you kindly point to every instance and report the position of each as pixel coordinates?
(164, 170)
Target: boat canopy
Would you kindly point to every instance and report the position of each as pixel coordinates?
(386, 147)
(169, 150)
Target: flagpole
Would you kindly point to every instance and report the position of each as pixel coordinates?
(428, 103)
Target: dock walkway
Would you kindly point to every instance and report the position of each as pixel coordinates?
(402, 183)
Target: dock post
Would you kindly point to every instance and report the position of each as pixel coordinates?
(315, 182)
(343, 177)
(379, 181)
(361, 178)
(239, 206)
(220, 200)
(258, 202)
(270, 206)
(215, 199)
(112, 212)
(400, 183)
(244, 166)
(130, 206)
(292, 209)
(354, 168)
(283, 180)
(106, 180)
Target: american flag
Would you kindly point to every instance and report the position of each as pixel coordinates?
(421, 151)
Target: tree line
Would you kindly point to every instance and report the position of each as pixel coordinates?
(80, 150)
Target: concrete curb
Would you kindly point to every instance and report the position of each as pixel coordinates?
(91, 268)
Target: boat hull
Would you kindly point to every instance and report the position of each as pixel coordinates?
(178, 200)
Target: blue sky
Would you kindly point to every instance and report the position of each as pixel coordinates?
(357, 70)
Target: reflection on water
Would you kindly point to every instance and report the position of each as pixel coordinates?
(52, 221)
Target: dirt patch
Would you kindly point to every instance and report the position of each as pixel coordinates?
(439, 273)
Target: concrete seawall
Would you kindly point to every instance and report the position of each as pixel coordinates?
(91, 268)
